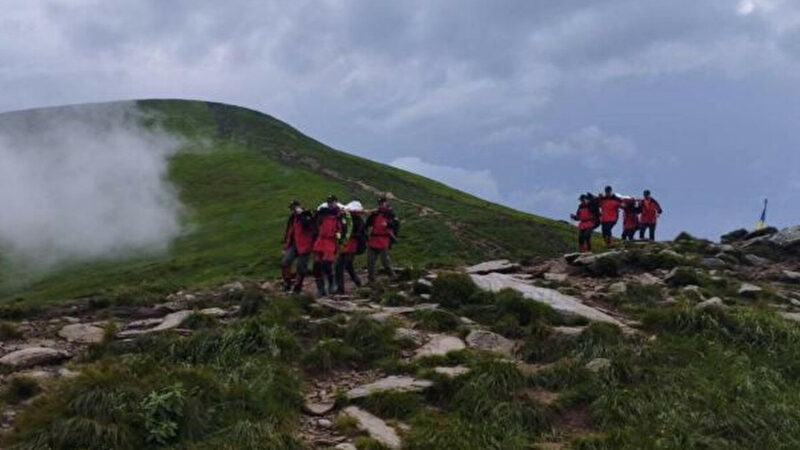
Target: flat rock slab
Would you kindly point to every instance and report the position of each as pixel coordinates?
(496, 282)
(500, 265)
(440, 345)
(344, 306)
(490, 342)
(318, 408)
(170, 321)
(215, 312)
(452, 372)
(569, 331)
(34, 356)
(82, 333)
(374, 426)
(794, 317)
(390, 383)
(749, 289)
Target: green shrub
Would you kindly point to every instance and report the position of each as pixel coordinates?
(162, 414)
(9, 331)
(437, 320)
(684, 276)
(20, 389)
(640, 294)
(367, 443)
(393, 404)
(196, 321)
(373, 340)
(252, 300)
(329, 354)
(451, 290)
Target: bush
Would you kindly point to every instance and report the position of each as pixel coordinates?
(251, 303)
(9, 331)
(393, 404)
(683, 276)
(437, 320)
(373, 340)
(20, 389)
(329, 354)
(453, 289)
(162, 414)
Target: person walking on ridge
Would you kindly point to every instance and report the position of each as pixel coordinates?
(329, 228)
(355, 245)
(650, 211)
(587, 221)
(609, 213)
(630, 218)
(298, 240)
(383, 227)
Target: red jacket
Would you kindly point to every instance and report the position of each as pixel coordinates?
(585, 217)
(609, 208)
(328, 226)
(299, 232)
(357, 234)
(630, 218)
(380, 236)
(650, 211)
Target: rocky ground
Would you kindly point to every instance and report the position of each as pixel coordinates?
(745, 268)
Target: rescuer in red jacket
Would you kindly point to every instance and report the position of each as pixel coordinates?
(355, 245)
(383, 227)
(298, 240)
(609, 213)
(587, 221)
(630, 219)
(650, 210)
(329, 228)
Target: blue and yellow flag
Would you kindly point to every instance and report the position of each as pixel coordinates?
(763, 220)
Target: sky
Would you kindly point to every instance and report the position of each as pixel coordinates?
(523, 102)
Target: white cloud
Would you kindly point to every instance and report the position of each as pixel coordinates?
(590, 146)
(77, 185)
(480, 183)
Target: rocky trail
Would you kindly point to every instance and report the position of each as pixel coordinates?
(588, 288)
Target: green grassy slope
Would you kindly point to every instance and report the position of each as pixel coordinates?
(236, 172)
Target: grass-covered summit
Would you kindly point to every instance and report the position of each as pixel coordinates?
(235, 172)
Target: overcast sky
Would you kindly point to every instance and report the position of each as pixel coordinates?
(523, 102)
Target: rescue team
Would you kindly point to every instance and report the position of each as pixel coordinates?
(603, 210)
(333, 235)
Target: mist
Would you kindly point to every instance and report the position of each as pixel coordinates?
(78, 184)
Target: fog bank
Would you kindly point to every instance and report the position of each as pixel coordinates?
(79, 183)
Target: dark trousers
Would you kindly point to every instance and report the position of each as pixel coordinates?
(323, 272)
(372, 258)
(607, 227)
(345, 264)
(651, 227)
(289, 257)
(585, 240)
(628, 235)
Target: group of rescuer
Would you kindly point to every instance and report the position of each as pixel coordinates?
(333, 235)
(602, 211)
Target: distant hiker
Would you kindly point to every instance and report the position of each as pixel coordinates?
(329, 229)
(383, 227)
(355, 245)
(609, 213)
(587, 222)
(630, 218)
(298, 241)
(650, 210)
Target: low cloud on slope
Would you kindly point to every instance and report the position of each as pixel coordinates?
(77, 184)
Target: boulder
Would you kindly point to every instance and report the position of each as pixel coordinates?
(598, 364)
(733, 236)
(715, 301)
(391, 383)
(682, 276)
(318, 408)
(500, 266)
(790, 276)
(557, 277)
(713, 263)
(490, 342)
(749, 290)
(33, 356)
(414, 336)
(375, 427)
(766, 231)
(215, 312)
(496, 282)
(754, 260)
(619, 287)
(82, 333)
(440, 345)
(787, 238)
(451, 372)
(648, 279)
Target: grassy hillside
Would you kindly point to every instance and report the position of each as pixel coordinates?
(235, 174)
